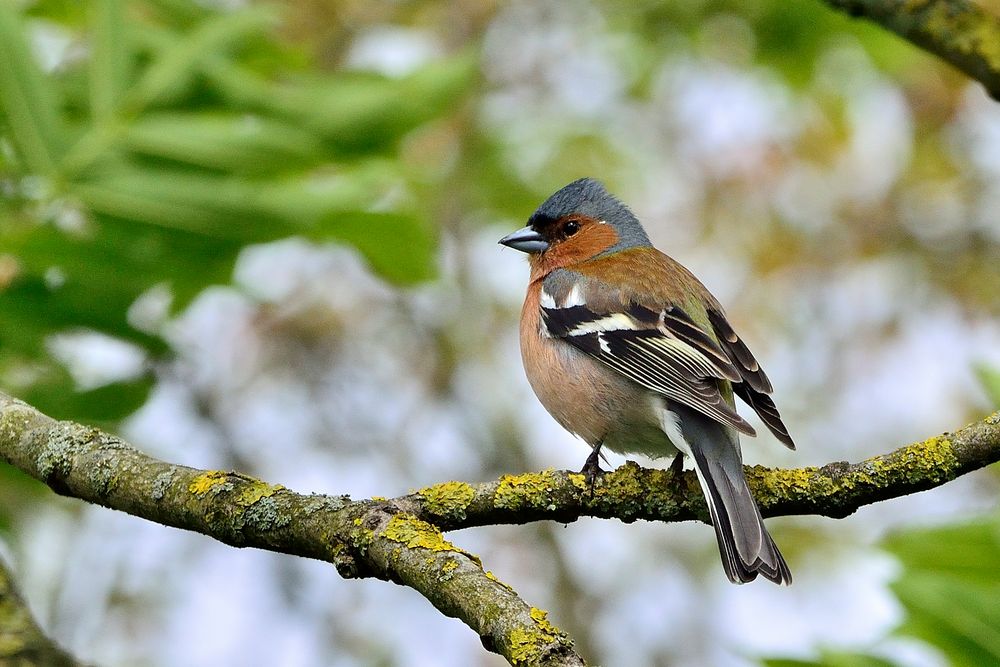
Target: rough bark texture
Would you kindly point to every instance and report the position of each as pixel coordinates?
(957, 31)
(400, 539)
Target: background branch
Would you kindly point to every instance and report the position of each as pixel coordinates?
(959, 32)
(22, 642)
(400, 540)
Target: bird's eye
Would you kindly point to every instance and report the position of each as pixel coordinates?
(571, 227)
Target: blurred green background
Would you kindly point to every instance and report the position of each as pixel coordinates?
(263, 237)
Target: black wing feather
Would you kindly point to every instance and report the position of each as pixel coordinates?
(669, 353)
(755, 385)
(665, 352)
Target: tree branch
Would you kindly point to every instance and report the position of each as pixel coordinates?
(22, 642)
(400, 540)
(956, 31)
(629, 493)
(362, 538)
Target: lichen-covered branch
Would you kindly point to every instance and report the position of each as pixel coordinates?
(22, 642)
(957, 31)
(362, 538)
(630, 492)
(400, 539)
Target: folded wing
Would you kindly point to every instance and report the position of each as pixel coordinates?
(666, 351)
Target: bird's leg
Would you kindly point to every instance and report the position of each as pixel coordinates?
(592, 467)
(677, 467)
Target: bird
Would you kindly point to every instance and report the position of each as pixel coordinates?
(628, 350)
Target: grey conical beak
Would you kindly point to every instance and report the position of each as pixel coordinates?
(525, 240)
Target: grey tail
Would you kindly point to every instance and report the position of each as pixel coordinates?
(744, 543)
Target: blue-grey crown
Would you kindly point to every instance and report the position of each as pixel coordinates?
(589, 197)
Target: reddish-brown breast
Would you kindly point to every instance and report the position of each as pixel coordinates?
(582, 394)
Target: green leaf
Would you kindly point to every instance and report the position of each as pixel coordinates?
(308, 198)
(240, 143)
(32, 309)
(239, 150)
(363, 113)
(965, 551)
(101, 272)
(831, 659)
(989, 377)
(167, 77)
(398, 246)
(27, 98)
(950, 586)
(181, 12)
(55, 395)
(214, 206)
(109, 58)
(958, 617)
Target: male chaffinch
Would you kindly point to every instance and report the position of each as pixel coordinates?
(627, 349)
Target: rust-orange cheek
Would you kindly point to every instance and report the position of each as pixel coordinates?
(593, 239)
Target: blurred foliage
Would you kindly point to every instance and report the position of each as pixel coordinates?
(949, 588)
(17, 492)
(166, 137)
(789, 37)
(831, 659)
(989, 377)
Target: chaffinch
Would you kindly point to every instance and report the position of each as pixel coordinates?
(628, 350)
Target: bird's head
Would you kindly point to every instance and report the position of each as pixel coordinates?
(579, 222)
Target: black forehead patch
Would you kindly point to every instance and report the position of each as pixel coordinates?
(540, 222)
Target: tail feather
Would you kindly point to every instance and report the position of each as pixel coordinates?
(744, 543)
(746, 547)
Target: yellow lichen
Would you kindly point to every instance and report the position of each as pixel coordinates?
(412, 532)
(450, 566)
(933, 457)
(523, 649)
(772, 486)
(933, 460)
(527, 644)
(449, 499)
(207, 481)
(625, 482)
(579, 480)
(541, 617)
(966, 32)
(12, 645)
(530, 490)
(255, 491)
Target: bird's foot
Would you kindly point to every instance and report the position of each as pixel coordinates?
(592, 469)
(677, 467)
